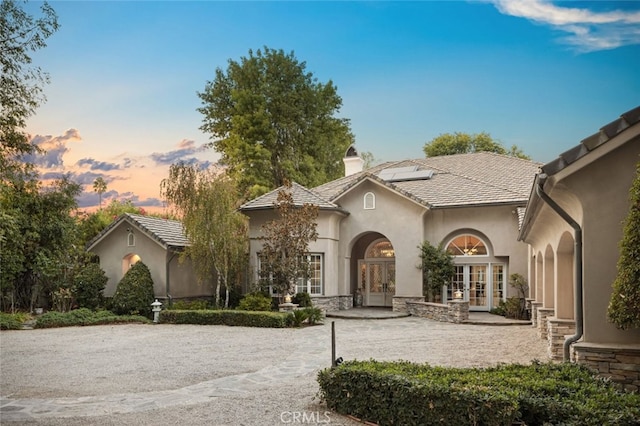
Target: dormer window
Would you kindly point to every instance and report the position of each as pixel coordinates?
(369, 201)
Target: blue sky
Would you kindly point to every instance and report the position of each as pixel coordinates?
(125, 75)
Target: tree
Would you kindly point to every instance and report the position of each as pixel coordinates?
(286, 242)
(369, 160)
(134, 293)
(624, 305)
(437, 269)
(100, 186)
(462, 143)
(272, 121)
(21, 85)
(208, 204)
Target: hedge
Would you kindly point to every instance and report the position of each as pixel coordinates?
(84, 316)
(403, 393)
(226, 317)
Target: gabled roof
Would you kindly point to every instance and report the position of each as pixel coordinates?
(480, 178)
(300, 194)
(168, 233)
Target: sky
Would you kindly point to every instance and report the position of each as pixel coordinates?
(123, 98)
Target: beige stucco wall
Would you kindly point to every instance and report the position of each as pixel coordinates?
(113, 248)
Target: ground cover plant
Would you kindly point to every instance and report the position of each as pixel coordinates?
(12, 321)
(403, 393)
(83, 316)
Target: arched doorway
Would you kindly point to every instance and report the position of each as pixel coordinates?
(128, 261)
(377, 277)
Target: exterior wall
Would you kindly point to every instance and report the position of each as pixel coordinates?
(455, 311)
(497, 224)
(620, 363)
(183, 282)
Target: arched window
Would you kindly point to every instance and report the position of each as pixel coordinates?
(467, 245)
(380, 248)
(131, 239)
(369, 201)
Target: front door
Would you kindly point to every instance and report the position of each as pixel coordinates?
(473, 282)
(379, 282)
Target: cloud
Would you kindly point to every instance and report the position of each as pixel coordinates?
(54, 148)
(587, 30)
(99, 165)
(186, 148)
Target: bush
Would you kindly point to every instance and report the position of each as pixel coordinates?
(255, 302)
(12, 321)
(195, 305)
(134, 294)
(302, 299)
(297, 317)
(225, 317)
(417, 394)
(88, 286)
(84, 316)
(314, 316)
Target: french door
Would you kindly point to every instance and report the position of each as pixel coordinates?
(379, 282)
(483, 290)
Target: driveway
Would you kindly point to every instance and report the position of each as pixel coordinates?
(218, 375)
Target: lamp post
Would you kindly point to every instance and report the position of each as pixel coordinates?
(156, 307)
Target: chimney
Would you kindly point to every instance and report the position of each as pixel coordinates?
(352, 162)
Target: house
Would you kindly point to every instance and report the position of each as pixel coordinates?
(573, 225)
(158, 243)
(372, 222)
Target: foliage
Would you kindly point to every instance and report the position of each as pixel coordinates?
(302, 299)
(462, 143)
(88, 286)
(21, 85)
(225, 317)
(182, 305)
(273, 121)
(516, 307)
(255, 302)
(624, 305)
(417, 394)
(208, 203)
(38, 240)
(437, 268)
(134, 294)
(298, 316)
(91, 224)
(369, 160)
(83, 316)
(285, 243)
(100, 186)
(314, 315)
(12, 321)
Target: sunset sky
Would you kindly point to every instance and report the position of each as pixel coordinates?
(125, 75)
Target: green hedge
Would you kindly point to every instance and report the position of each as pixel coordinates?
(84, 316)
(11, 321)
(403, 393)
(226, 317)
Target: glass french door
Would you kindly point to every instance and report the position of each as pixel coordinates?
(481, 289)
(379, 282)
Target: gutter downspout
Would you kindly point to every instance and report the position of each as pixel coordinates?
(577, 261)
(168, 287)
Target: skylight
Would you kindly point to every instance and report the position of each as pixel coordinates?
(400, 174)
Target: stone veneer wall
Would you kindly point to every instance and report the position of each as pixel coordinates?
(534, 313)
(557, 331)
(543, 314)
(333, 303)
(455, 311)
(619, 363)
(400, 302)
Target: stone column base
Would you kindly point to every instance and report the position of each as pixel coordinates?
(543, 314)
(619, 363)
(534, 313)
(400, 302)
(557, 330)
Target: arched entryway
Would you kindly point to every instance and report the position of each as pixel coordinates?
(377, 274)
(128, 261)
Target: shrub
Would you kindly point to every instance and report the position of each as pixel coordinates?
(88, 286)
(225, 317)
(314, 315)
(302, 299)
(255, 302)
(11, 321)
(84, 316)
(417, 394)
(298, 316)
(183, 305)
(134, 294)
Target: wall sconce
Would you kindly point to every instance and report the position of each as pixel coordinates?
(457, 295)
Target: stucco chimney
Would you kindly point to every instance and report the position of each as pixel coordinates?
(352, 161)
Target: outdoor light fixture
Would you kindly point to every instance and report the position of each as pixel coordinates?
(457, 294)
(287, 298)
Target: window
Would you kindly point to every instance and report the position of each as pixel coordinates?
(131, 239)
(379, 249)
(467, 245)
(369, 201)
(313, 283)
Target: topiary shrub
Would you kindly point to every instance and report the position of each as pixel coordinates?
(88, 286)
(302, 299)
(255, 302)
(134, 294)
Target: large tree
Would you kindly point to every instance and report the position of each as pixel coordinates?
(462, 143)
(272, 121)
(208, 202)
(286, 241)
(100, 186)
(21, 83)
(624, 306)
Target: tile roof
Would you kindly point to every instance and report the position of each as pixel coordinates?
(169, 233)
(607, 132)
(301, 195)
(458, 180)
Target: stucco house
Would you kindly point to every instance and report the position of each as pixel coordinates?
(573, 225)
(155, 241)
(371, 223)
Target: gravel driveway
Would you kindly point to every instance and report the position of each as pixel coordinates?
(217, 375)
